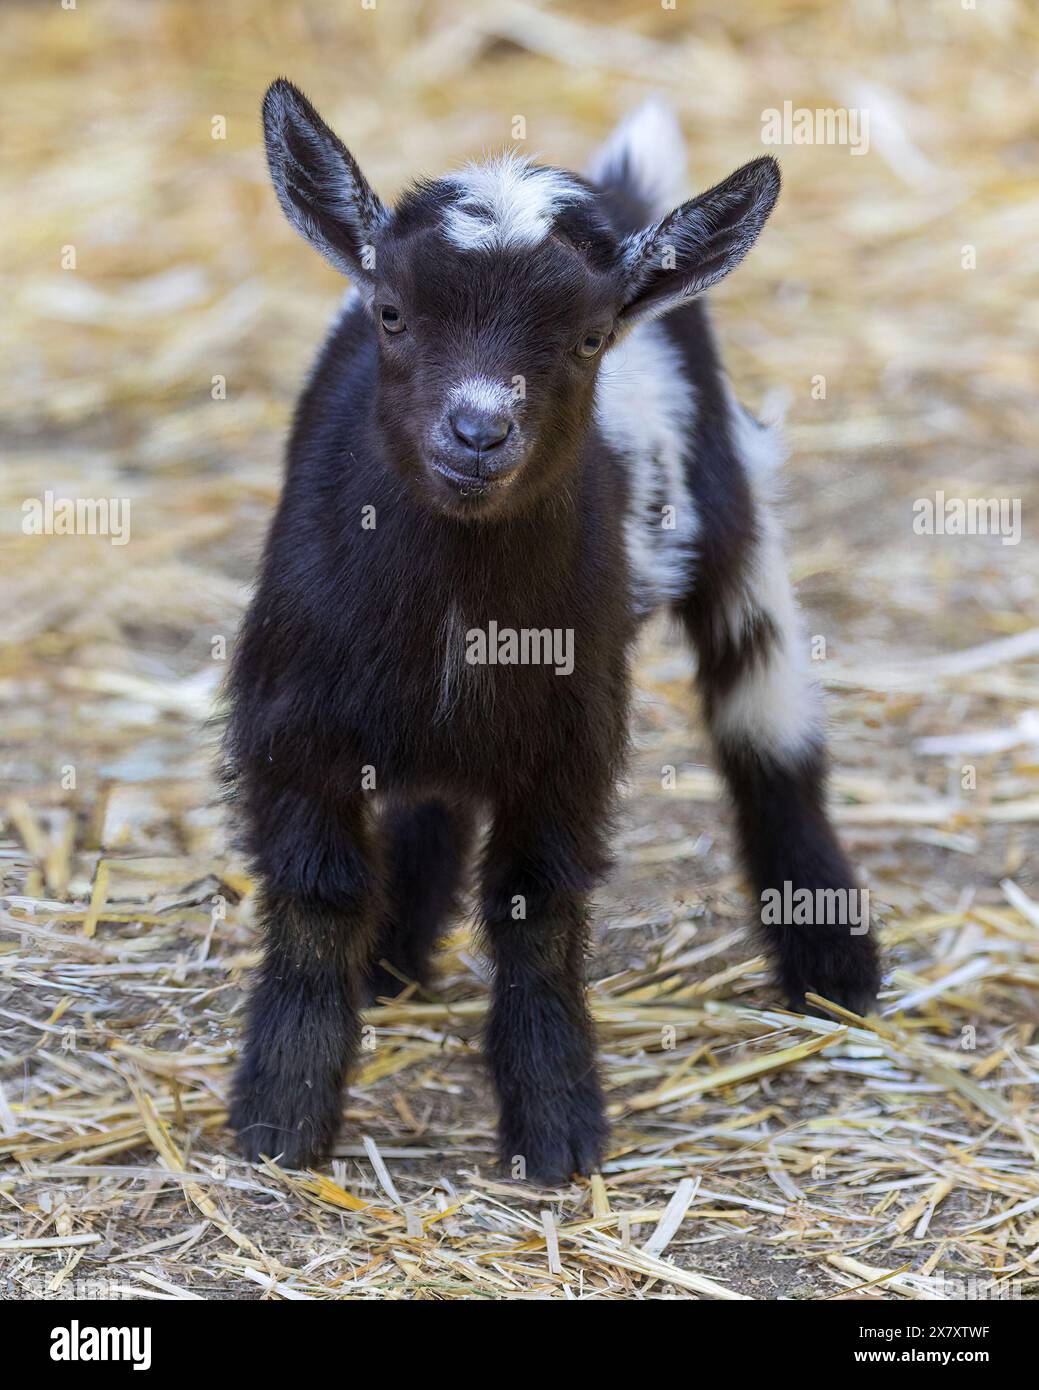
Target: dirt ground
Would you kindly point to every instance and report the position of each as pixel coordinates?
(160, 320)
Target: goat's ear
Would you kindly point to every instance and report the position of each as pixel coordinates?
(690, 249)
(319, 185)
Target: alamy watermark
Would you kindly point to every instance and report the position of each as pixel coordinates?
(79, 1342)
(824, 125)
(77, 516)
(816, 907)
(968, 516)
(980, 1287)
(524, 646)
(76, 1289)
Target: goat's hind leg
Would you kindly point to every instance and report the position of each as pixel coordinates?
(425, 850)
(764, 715)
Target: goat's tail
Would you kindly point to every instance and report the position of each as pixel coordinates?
(641, 167)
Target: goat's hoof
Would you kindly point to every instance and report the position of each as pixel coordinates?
(557, 1149)
(294, 1140)
(844, 971)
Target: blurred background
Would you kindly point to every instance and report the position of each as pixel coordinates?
(159, 319)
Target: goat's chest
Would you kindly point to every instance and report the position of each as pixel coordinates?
(475, 701)
(495, 671)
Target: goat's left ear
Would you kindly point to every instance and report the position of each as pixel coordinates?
(319, 185)
(690, 249)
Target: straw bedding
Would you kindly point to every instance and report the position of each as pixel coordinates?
(755, 1153)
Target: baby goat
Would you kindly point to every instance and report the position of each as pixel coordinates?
(518, 436)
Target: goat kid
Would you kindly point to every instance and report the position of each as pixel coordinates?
(518, 424)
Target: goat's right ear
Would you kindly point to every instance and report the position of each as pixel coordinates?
(319, 185)
(690, 249)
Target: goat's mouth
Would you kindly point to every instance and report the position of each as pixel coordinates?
(463, 486)
(467, 483)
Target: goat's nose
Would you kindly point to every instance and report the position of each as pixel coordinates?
(479, 430)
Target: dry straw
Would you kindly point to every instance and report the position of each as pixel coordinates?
(755, 1153)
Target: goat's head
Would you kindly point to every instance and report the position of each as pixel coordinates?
(494, 294)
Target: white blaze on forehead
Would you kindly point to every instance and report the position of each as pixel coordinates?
(480, 393)
(507, 201)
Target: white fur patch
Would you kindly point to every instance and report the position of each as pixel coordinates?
(645, 408)
(775, 706)
(646, 148)
(760, 447)
(507, 201)
(481, 393)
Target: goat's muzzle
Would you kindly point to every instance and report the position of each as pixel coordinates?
(479, 451)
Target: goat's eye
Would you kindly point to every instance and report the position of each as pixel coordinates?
(392, 319)
(590, 344)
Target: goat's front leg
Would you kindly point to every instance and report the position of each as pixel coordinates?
(302, 1026)
(764, 715)
(539, 1038)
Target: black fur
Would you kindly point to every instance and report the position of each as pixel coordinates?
(427, 847)
(361, 749)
